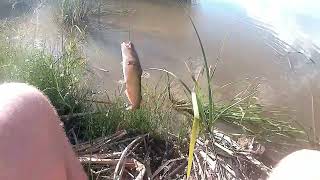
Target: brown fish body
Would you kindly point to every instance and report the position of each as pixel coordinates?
(132, 74)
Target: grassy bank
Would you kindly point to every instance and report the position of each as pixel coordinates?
(64, 79)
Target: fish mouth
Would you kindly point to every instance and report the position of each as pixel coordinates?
(127, 44)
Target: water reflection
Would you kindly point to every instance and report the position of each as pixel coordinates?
(291, 20)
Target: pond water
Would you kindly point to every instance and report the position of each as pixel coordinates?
(262, 40)
(270, 42)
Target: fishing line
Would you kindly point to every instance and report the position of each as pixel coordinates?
(125, 6)
(129, 22)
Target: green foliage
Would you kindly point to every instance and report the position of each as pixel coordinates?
(58, 78)
(150, 118)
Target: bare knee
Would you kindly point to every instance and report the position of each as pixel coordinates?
(23, 101)
(20, 93)
(302, 164)
(25, 111)
(28, 120)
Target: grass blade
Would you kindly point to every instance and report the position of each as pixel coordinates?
(232, 105)
(211, 104)
(176, 77)
(194, 132)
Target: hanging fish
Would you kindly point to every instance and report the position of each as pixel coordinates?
(132, 74)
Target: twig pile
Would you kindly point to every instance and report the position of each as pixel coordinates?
(222, 158)
(125, 156)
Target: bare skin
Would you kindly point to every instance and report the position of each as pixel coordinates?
(33, 146)
(300, 165)
(132, 74)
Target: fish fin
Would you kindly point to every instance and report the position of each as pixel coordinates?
(128, 96)
(121, 81)
(126, 93)
(121, 89)
(141, 103)
(129, 108)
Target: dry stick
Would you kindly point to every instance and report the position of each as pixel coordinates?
(195, 169)
(257, 163)
(163, 166)
(122, 158)
(84, 147)
(105, 156)
(147, 158)
(135, 147)
(142, 169)
(100, 101)
(205, 160)
(219, 58)
(101, 69)
(75, 115)
(105, 143)
(210, 162)
(227, 168)
(74, 136)
(102, 140)
(123, 141)
(99, 172)
(131, 175)
(131, 163)
(86, 160)
(249, 157)
(194, 78)
(201, 171)
(178, 169)
(166, 170)
(172, 74)
(69, 116)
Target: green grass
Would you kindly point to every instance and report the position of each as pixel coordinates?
(154, 117)
(58, 78)
(74, 15)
